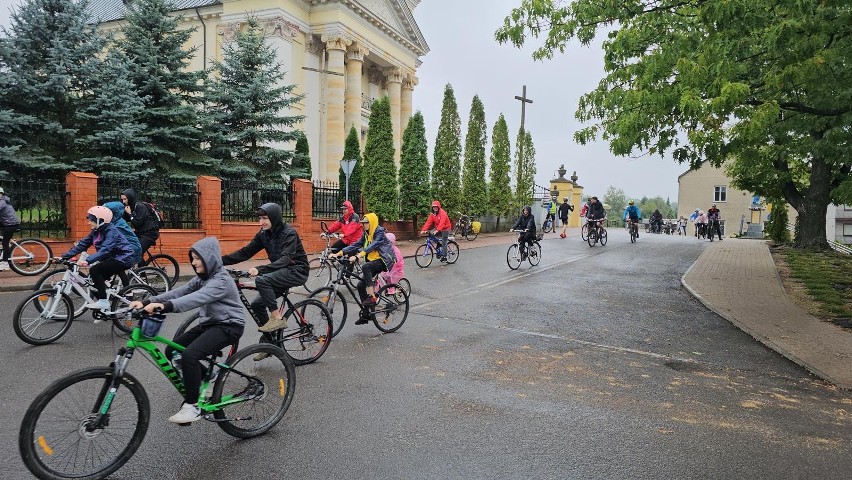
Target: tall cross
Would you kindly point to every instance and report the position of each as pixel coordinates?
(524, 101)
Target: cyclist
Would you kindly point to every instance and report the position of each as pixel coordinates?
(379, 255)
(681, 225)
(632, 213)
(288, 267)
(713, 222)
(440, 222)
(596, 213)
(525, 225)
(398, 271)
(694, 219)
(114, 253)
(122, 226)
(551, 213)
(348, 223)
(701, 223)
(140, 216)
(9, 224)
(657, 221)
(221, 318)
(564, 209)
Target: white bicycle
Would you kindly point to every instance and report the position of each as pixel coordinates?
(29, 256)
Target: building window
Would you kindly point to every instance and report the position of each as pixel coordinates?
(720, 193)
(847, 229)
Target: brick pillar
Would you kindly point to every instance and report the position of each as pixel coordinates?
(82, 190)
(303, 210)
(210, 205)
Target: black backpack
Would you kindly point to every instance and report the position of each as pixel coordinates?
(157, 216)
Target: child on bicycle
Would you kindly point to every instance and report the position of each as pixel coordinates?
(114, 254)
(379, 254)
(349, 225)
(9, 224)
(440, 222)
(221, 318)
(398, 270)
(526, 228)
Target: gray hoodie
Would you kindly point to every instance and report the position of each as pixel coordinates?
(214, 291)
(8, 217)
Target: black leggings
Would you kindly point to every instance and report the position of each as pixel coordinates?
(103, 270)
(338, 246)
(370, 270)
(201, 342)
(7, 237)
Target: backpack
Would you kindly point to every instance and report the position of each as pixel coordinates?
(158, 217)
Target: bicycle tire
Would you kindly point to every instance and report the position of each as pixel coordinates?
(166, 263)
(584, 232)
(593, 238)
(186, 325)
(49, 280)
(136, 291)
(38, 446)
(25, 326)
(603, 238)
(534, 256)
(319, 275)
(470, 235)
(632, 233)
(280, 385)
(424, 256)
(513, 257)
(388, 304)
(39, 250)
(405, 285)
(452, 252)
(308, 333)
(338, 309)
(154, 278)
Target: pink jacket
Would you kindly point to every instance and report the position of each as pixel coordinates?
(398, 270)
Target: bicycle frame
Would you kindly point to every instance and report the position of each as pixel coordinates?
(433, 245)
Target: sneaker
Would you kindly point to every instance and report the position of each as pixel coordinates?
(362, 319)
(443, 259)
(102, 304)
(260, 356)
(276, 322)
(4, 266)
(561, 235)
(188, 413)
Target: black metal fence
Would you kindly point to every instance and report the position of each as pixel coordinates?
(241, 199)
(329, 196)
(40, 204)
(176, 200)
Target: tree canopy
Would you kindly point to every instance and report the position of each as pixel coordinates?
(474, 188)
(414, 196)
(380, 193)
(499, 189)
(446, 186)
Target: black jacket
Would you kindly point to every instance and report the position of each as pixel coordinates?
(596, 211)
(144, 222)
(564, 209)
(525, 223)
(281, 242)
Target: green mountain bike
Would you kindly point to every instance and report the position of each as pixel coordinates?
(89, 423)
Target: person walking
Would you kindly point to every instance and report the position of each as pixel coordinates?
(9, 224)
(681, 225)
(564, 210)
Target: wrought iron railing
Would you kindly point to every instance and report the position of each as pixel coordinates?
(40, 204)
(176, 200)
(329, 196)
(241, 199)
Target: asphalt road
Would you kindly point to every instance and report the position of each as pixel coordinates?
(594, 364)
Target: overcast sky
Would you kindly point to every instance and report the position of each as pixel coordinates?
(463, 52)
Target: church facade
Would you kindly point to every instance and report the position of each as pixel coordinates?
(341, 54)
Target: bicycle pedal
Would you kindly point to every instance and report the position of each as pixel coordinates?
(184, 424)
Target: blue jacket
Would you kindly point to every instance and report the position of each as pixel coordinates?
(109, 243)
(632, 210)
(122, 226)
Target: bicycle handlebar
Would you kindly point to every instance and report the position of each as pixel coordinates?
(237, 273)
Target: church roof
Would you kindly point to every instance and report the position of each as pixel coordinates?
(110, 10)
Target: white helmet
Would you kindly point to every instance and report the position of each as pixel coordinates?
(100, 215)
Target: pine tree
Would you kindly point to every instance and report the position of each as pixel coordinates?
(474, 188)
(154, 45)
(352, 151)
(446, 186)
(302, 159)
(499, 188)
(524, 169)
(380, 194)
(414, 196)
(245, 103)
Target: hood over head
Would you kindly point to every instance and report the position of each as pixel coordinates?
(436, 204)
(117, 209)
(527, 209)
(373, 220)
(208, 249)
(349, 209)
(131, 197)
(273, 211)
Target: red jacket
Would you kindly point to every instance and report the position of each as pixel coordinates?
(348, 224)
(440, 221)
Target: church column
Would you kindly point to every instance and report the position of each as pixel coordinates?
(354, 71)
(408, 83)
(334, 96)
(393, 84)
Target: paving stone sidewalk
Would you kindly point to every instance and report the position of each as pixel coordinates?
(738, 280)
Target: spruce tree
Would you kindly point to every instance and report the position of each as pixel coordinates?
(524, 169)
(302, 159)
(245, 105)
(352, 151)
(380, 194)
(156, 49)
(499, 188)
(446, 186)
(474, 189)
(414, 196)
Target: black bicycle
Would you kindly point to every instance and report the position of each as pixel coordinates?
(532, 254)
(633, 227)
(466, 228)
(164, 262)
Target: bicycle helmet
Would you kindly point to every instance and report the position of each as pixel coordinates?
(630, 202)
(391, 237)
(100, 215)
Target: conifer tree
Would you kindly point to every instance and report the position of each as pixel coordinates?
(446, 186)
(352, 151)
(499, 189)
(244, 107)
(414, 196)
(380, 194)
(302, 159)
(474, 188)
(155, 47)
(524, 169)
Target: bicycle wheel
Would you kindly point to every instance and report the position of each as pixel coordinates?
(43, 317)
(513, 257)
(390, 311)
(404, 285)
(155, 278)
(470, 235)
(633, 234)
(593, 238)
(30, 256)
(603, 237)
(262, 391)
(185, 325)
(423, 256)
(534, 254)
(452, 251)
(50, 279)
(308, 333)
(337, 308)
(166, 263)
(118, 304)
(584, 232)
(319, 275)
(57, 438)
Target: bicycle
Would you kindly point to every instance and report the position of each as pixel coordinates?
(426, 253)
(633, 228)
(584, 231)
(390, 299)
(597, 234)
(84, 425)
(29, 256)
(164, 262)
(548, 225)
(51, 309)
(319, 274)
(701, 230)
(533, 253)
(307, 335)
(464, 228)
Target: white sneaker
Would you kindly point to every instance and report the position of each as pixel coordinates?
(102, 304)
(4, 265)
(187, 413)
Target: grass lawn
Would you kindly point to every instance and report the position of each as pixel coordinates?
(821, 282)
